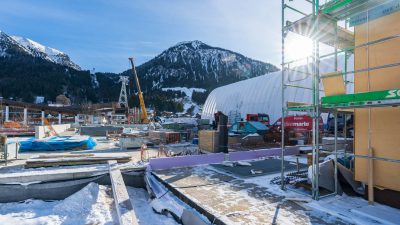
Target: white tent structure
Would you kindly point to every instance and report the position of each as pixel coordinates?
(263, 94)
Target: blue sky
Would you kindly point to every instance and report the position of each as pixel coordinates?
(102, 34)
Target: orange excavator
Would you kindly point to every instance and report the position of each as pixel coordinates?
(12, 124)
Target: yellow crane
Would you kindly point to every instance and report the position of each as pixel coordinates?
(141, 100)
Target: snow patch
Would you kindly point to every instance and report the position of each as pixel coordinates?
(93, 204)
(143, 208)
(47, 53)
(187, 100)
(95, 83)
(28, 43)
(90, 205)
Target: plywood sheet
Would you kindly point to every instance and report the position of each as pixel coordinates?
(208, 140)
(385, 122)
(333, 85)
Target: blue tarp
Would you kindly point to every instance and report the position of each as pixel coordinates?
(58, 143)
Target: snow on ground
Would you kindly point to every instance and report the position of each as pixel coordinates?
(351, 209)
(145, 213)
(354, 210)
(91, 205)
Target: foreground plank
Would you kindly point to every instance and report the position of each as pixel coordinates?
(125, 212)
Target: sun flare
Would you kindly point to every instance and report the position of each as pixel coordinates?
(298, 47)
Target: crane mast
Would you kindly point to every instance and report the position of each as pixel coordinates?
(141, 100)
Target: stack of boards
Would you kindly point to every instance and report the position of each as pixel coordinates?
(75, 159)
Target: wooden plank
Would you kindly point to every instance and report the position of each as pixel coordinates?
(100, 158)
(385, 122)
(60, 174)
(208, 140)
(125, 212)
(68, 163)
(63, 155)
(333, 85)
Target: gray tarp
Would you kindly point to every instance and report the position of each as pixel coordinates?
(59, 190)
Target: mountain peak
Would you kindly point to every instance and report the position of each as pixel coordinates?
(14, 45)
(196, 44)
(196, 64)
(28, 43)
(47, 53)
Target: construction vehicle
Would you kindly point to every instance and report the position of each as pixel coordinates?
(260, 117)
(140, 94)
(298, 129)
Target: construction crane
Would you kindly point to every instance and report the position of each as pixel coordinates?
(141, 100)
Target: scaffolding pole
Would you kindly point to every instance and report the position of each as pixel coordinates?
(283, 100)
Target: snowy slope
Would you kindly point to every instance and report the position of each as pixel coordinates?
(187, 100)
(50, 54)
(8, 46)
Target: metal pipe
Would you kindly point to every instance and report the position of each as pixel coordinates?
(59, 118)
(336, 114)
(364, 70)
(335, 148)
(42, 118)
(316, 104)
(368, 43)
(298, 86)
(25, 117)
(283, 101)
(296, 10)
(313, 180)
(299, 192)
(336, 48)
(378, 158)
(370, 150)
(317, 119)
(345, 136)
(349, 49)
(327, 195)
(298, 71)
(7, 117)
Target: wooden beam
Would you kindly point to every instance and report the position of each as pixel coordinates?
(125, 212)
(80, 159)
(370, 176)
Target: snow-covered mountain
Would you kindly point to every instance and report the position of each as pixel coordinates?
(9, 46)
(35, 49)
(179, 79)
(194, 64)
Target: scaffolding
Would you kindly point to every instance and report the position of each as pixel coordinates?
(328, 24)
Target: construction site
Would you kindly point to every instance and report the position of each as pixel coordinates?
(316, 142)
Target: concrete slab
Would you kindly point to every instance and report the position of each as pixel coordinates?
(234, 201)
(260, 168)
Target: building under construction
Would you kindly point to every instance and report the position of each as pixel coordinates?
(314, 143)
